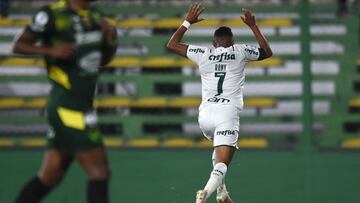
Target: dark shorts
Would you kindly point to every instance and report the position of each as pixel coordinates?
(72, 130)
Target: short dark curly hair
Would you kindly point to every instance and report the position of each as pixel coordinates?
(223, 32)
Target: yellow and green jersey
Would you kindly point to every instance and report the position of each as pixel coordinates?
(73, 80)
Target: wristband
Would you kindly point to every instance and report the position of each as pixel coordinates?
(186, 24)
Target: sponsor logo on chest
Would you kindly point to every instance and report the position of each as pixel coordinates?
(88, 37)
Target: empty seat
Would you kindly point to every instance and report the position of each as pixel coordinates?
(147, 102)
(276, 22)
(135, 23)
(168, 23)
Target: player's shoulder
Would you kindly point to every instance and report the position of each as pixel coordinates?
(244, 47)
(46, 11)
(41, 19)
(240, 47)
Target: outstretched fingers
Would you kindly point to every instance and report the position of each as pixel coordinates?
(194, 12)
(191, 8)
(200, 10)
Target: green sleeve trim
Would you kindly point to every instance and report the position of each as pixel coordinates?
(261, 54)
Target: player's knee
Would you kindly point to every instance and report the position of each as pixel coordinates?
(99, 173)
(51, 179)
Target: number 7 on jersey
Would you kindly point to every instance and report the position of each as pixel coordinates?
(221, 76)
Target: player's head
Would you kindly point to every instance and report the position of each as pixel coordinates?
(223, 37)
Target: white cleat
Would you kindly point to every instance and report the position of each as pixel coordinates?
(223, 196)
(201, 196)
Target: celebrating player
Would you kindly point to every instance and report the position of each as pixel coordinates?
(222, 78)
(76, 40)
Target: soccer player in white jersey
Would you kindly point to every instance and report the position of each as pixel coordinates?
(222, 77)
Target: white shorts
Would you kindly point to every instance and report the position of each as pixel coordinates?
(220, 124)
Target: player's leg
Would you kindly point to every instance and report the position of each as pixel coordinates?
(54, 167)
(222, 195)
(224, 155)
(225, 139)
(222, 187)
(95, 164)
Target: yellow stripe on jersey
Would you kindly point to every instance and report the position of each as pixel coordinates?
(72, 118)
(59, 76)
(83, 12)
(58, 5)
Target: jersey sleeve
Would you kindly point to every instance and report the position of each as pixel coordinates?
(41, 22)
(252, 53)
(195, 53)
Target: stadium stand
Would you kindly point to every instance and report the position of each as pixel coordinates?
(149, 98)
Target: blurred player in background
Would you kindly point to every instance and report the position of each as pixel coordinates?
(75, 39)
(222, 77)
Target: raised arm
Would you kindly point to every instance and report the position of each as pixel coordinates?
(249, 19)
(175, 45)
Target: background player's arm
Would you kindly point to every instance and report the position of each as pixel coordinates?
(175, 45)
(26, 44)
(249, 19)
(109, 45)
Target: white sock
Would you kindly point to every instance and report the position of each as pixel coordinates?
(222, 185)
(216, 178)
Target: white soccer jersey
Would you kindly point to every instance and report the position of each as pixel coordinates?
(222, 72)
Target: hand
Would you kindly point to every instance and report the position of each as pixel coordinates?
(248, 18)
(110, 33)
(194, 12)
(64, 51)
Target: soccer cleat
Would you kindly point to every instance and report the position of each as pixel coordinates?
(201, 196)
(223, 196)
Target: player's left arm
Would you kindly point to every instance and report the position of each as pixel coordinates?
(175, 45)
(109, 44)
(249, 19)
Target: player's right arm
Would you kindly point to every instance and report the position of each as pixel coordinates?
(25, 43)
(175, 45)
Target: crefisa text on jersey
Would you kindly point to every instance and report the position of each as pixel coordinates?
(251, 51)
(222, 57)
(226, 132)
(198, 50)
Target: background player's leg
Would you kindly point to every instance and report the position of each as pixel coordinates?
(95, 164)
(54, 166)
